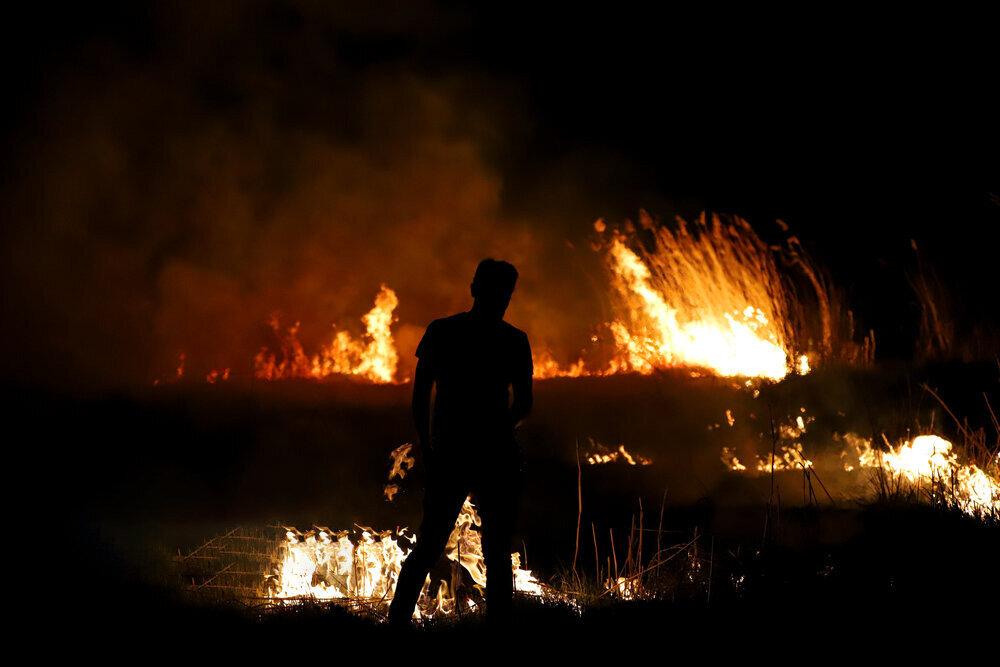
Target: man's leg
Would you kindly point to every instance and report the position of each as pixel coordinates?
(443, 498)
(500, 492)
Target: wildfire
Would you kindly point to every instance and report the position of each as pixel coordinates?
(710, 298)
(374, 358)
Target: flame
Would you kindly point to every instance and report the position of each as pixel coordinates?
(547, 367)
(623, 587)
(374, 358)
(217, 375)
(803, 367)
(327, 565)
(730, 460)
(179, 373)
(789, 456)
(785, 458)
(601, 454)
(930, 462)
(711, 299)
(401, 461)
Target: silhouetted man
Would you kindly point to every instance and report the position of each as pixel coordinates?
(472, 359)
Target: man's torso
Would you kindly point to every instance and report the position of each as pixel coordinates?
(473, 360)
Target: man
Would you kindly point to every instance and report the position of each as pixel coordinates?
(472, 359)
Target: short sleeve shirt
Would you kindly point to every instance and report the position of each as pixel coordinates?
(473, 361)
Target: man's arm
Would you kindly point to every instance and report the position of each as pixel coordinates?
(521, 385)
(422, 383)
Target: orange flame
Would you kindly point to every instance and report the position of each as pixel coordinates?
(600, 454)
(547, 367)
(327, 565)
(401, 463)
(178, 374)
(929, 462)
(217, 375)
(710, 298)
(373, 359)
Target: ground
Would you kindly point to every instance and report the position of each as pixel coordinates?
(138, 477)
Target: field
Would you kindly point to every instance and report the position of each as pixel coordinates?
(138, 479)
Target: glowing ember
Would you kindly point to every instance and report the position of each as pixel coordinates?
(374, 358)
(217, 375)
(785, 458)
(710, 298)
(601, 454)
(179, 373)
(730, 460)
(623, 587)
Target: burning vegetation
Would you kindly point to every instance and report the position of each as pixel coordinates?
(926, 467)
(361, 568)
(708, 299)
(710, 296)
(374, 358)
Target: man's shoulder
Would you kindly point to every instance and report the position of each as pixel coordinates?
(460, 322)
(514, 332)
(446, 323)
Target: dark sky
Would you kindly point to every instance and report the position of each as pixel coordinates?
(173, 172)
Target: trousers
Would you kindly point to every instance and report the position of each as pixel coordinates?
(494, 483)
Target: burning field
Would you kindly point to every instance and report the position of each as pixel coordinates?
(709, 306)
(227, 228)
(725, 441)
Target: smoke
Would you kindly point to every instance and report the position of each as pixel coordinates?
(169, 197)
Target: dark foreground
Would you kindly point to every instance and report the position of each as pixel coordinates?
(127, 481)
(909, 579)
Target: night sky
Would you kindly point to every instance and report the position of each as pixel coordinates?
(175, 172)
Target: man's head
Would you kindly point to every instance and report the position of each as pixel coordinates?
(493, 285)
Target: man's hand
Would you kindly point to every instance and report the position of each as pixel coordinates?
(428, 454)
(423, 381)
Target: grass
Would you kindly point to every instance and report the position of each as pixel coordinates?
(891, 562)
